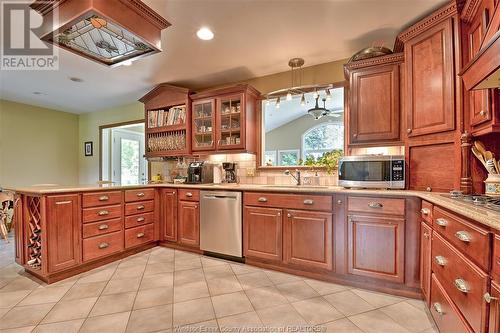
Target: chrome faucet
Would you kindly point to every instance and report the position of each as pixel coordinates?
(296, 177)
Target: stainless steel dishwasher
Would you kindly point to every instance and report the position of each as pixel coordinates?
(221, 222)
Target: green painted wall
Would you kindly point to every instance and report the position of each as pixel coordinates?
(89, 131)
(37, 145)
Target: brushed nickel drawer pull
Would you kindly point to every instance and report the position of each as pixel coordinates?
(438, 308)
(262, 199)
(461, 285)
(308, 202)
(103, 198)
(103, 245)
(425, 211)
(140, 235)
(141, 207)
(440, 260)
(63, 202)
(375, 205)
(464, 236)
(441, 222)
(488, 298)
(103, 212)
(103, 227)
(140, 219)
(189, 194)
(140, 194)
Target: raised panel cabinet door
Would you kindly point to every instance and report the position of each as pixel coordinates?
(425, 260)
(189, 223)
(374, 114)
(63, 232)
(429, 61)
(376, 247)
(494, 300)
(169, 214)
(262, 233)
(307, 239)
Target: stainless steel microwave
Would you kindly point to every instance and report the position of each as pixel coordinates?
(372, 171)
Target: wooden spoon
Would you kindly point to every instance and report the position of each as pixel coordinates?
(480, 147)
(479, 156)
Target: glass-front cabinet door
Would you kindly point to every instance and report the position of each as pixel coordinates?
(230, 124)
(203, 125)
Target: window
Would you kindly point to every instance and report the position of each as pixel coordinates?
(288, 157)
(322, 138)
(270, 158)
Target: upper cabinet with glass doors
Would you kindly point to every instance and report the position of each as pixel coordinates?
(224, 120)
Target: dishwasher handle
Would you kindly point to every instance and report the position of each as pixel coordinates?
(216, 196)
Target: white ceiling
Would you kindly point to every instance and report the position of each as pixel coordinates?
(252, 38)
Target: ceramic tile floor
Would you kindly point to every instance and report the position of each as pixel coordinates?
(163, 290)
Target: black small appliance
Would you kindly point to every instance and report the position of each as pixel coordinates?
(230, 172)
(200, 173)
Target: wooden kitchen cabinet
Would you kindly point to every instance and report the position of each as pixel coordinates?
(493, 298)
(189, 223)
(307, 239)
(430, 77)
(425, 260)
(63, 231)
(262, 233)
(204, 124)
(376, 247)
(374, 103)
(169, 214)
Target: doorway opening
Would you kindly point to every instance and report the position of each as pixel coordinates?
(122, 153)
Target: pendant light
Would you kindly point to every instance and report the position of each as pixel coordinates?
(278, 103)
(317, 112)
(303, 100)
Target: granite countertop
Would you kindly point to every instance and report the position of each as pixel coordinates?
(485, 216)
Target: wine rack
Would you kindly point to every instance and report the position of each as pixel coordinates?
(34, 233)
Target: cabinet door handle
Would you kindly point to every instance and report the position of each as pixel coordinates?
(408, 130)
(103, 227)
(355, 135)
(339, 202)
(438, 308)
(461, 285)
(428, 189)
(464, 236)
(482, 113)
(488, 298)
(289, 215)
(189, 194)
(140, 219)
(440, 260)
(140, 235)
(103, 198)
(141, 207)
(441, 222)
(103, 245)
(425, 211)
(308, 202)
(262, 199)
(426, 234)
(375, 205)
(103, 212)
(140, 194)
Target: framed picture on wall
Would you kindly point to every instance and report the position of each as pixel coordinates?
(89, 151)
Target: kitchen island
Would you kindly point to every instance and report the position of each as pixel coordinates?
(408, 243)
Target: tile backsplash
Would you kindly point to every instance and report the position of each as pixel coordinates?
(246, 170)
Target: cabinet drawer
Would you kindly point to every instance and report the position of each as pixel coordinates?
(495, 268)
(139, 195)
(136, 220)
(426, 212)
(101, 199)
(293, 201)
(103, 245)
(376, 205)
(189, 195)
(470, 239)
(101, 228)
(444, 312)
(464, 282)
(101, 213)
(139, 235)
(139, 207)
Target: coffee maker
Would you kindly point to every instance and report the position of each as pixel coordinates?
(200, 173)
(230, 172)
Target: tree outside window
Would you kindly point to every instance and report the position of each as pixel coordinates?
(322, 138)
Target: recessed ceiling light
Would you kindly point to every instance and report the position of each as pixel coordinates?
(205, 34)
(127, 63)
(76, 79)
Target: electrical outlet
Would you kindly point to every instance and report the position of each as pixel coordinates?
(250, 172)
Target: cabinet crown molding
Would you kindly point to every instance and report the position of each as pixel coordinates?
(470, 9)
(387, 59)
(428, 22)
